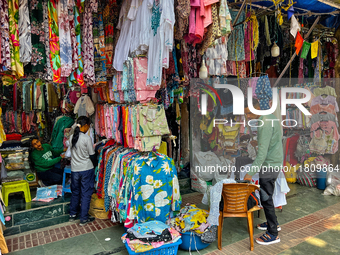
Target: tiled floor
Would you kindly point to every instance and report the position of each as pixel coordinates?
(310, 225)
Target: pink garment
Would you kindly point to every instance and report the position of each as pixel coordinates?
(141, 72)
(102, 122)
(195, 3)
(327, 100)
(190, 37)
(145, 96)
(252, 83)
(301, 76)
(326, 126)
(74, 96)
(207, 16)
(96, 124)
(108, 125)
(199, 31)
(323, 108)
(210, 2)
(112, 97)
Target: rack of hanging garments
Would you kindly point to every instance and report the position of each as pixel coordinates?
(138, 126)
(136, 186)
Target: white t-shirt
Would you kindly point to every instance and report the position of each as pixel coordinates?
(81, 153)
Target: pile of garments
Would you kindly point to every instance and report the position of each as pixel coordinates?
(146, 236)
(193, 219)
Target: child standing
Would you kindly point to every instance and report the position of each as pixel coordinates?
(82, 175)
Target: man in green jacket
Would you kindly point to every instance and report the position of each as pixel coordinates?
(44, 159)
(268, 162)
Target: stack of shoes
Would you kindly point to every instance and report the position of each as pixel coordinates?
(146, 236)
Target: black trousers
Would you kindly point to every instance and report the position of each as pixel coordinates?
(267, 183)
(52, 176)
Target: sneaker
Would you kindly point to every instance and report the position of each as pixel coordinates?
(263, 227)
(83, 223)
(268, 239)
(72, 218)
(41, 184)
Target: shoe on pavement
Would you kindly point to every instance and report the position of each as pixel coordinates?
(264, 226)
(89, 219)
(72, 218)
(268, 239)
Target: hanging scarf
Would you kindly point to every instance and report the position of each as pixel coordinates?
(4, 28)
(38, 60)
(54, 40)
(73, 39)
(64, 38)
(77, 76)
(88, 51)
(48, 75)
(109, 29)
(25, 49)
(13, 11)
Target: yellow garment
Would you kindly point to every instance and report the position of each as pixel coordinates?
(141, 247)
(308, 161)
(2, 131)
(314, 49)
(291, 175)
(163, 148)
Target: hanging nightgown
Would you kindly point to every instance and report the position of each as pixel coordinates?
(4, 28)
(24, 32)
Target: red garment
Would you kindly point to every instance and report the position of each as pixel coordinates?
(13, 137)
(293, 161)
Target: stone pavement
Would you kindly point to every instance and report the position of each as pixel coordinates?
(310, 225)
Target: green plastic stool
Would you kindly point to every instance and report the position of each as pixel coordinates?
(16, 186)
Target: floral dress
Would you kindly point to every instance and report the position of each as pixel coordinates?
(5, 39)
(48, 75)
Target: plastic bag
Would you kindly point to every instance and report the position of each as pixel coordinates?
(332, 190)
(198, 184)
(97, 208)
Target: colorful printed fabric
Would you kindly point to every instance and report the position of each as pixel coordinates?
(101, 75)
(88, 51)
(65, 38)
(48, 75)
(54, 40)
(77, 76)
(25, 49)
(155, 188)
(13, 13)
(73, 38)
(108, 29)
(38, 60)
(5, 39)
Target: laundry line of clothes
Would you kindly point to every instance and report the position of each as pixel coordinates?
(136, 186)
(138, 126)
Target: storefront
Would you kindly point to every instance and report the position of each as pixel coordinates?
(146, 74)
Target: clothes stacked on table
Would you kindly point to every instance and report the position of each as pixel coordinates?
(149, 235)
(193, 219)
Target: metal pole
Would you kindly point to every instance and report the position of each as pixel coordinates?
(292, 58)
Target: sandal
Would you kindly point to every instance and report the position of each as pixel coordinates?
(264, 226)
(268, 239)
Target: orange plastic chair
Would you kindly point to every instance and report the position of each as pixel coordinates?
(235, 197)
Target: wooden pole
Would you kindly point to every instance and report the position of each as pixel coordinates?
(239, 12)
(292, 58)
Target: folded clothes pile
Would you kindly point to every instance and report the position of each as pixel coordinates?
(193, 219)
(149, 235)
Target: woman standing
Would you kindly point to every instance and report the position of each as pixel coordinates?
(82, 167)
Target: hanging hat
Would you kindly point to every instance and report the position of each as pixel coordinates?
(275, 51)
(290, 12)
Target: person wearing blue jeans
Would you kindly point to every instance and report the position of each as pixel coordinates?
(82, 171)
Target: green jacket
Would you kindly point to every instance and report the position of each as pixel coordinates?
(43, 160)
(58, 132)
(270, 148)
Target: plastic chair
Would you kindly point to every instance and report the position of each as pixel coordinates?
(235, 198)
(14, 187)
(67, 170)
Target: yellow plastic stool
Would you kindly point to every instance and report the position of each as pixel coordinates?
(17, 186)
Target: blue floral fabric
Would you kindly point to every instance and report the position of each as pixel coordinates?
(264, 92)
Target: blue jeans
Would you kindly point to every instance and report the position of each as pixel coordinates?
(52, 176)
(82, 187)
